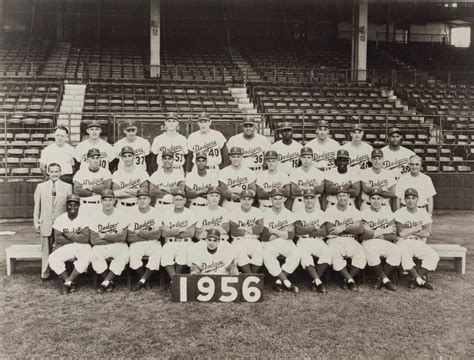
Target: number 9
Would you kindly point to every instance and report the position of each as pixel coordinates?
(206, 287)
(251, 293)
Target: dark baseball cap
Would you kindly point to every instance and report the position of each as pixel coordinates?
(130, 124)
(277, 192)
(323, 123)
(107, 193)
(213, 233)
(285, 126)
(73, 197)
(171, 115)
(249, 120)
(342, 154)
(178, 191)
(306, 151)
(247, 193)
(236, 151)
(393, 131)
(127, 150)
(93, 152)
(201, 154)
(214, 190)
(376, 153)
(94, 123)
(271, 154)
(143, 192)
(167, 153)
(342, 189)
(376, 191)
(203, 116)
(309, 193)
(411, 191)
(357, 126)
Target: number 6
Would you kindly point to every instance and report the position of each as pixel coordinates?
(251, 293)
(206, 291)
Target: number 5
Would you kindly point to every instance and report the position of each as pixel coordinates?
(225, 288)
(251, 293)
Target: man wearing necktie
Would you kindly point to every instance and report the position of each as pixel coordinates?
(50, 202)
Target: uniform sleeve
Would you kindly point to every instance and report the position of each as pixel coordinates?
(400, 188)
(111, 155)
(44, 155)
(146, 147)
(356, 214)
(124, 221)
(251, 175)
(78, 176)
(185, 145)
(221, 139)
(230, 142)
(427, 219)
(78, 152)
(399, 217)
(155, 146)
(429, 189)
(191, 217)
(107, 174)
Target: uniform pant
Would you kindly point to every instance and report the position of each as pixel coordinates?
(249, 250)
(380, 248)
(176, 252)
(80, 252)
(309, 247)
(345, 246)
(280, 247)
(150, 248)
(413, 248)
(118, 252)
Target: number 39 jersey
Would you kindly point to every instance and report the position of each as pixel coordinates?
(397, 160)
(177, 144)
(140, 146)
(236, 179)
(254, 148)
(211, 143)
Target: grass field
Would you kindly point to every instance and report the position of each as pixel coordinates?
(36, 321)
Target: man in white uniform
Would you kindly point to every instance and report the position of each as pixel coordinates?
(396, 156)
(359, 151)
(140, 146)
(287, 149)
(94, 141)
(324, 148)
(199, 180)
(165, 179)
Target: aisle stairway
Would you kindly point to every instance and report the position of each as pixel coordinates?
(249, 73)
(70, 113)
(56, 64)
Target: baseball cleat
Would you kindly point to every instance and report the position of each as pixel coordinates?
(379, 284)
(110, 287)
(314, 287)
(412, 284)
(344, 285)
(147, 285)
(138, 286)
(353, 286)
(428, 285)
(293, 288)
(321, 289)
(73, 288)
(66, 289)
(101, 289)
(390, 286)
(278, 287)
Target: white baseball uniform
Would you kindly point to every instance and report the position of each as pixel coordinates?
(377, 248)
(397, 161)
(414, 246)
(175, 251)
(215, 264)
(269, 181)
(306, 179)
(161, 178)
(128, 181)
(141, 148)
(421, 183)
(211, 143)
(236, 179)
(289, 155)
(280, 247)
(249, 248)
(351, 175)
(212, 219)
(176, 143)
(312, 246)
(383, 180)
(254, 149)
(85, 177)
(118, 251)
(344, 244)
(324, 153)
(360, 155)
(196, 182)
(80, 252)
(63, 156)
(107, 153)
(149, 221)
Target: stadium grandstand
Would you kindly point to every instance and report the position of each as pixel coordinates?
(377, 63)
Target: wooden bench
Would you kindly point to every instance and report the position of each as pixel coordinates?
(21, 252)
(452, 251)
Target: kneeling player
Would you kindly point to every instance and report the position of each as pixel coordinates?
(144, 234)
(378, 237)
(413, 228)
(310, 231)
(71, 237)
(344, 224)
(277, 238)
(213, 258)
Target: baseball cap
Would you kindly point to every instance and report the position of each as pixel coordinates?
(214, 190)
(127, 150)
(236, 151)
(323, 123)
(248, 120)
(393, 131)
(376, 191)
(130, 124)
(309, 193)
(93, 152)
(201, 154)
(171, 115)
(107, 193)
(73, 197)
(411, 191)
(213, 233)
(376, 153)
(285, 126)
(203, 116)
(357, 126)
(277, 192)
(93, 123)
(341, 189)
(143, 192)
(306, 151)
(342, 154)
(271, 154)
(167, 153)
(247, 193)
(178, 191)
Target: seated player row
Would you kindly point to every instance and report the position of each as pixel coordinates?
(215, 241)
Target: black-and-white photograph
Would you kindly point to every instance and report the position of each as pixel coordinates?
(216, 179)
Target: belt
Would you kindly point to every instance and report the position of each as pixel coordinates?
(128, 204)
(299, 198)
(212, 167)
(237, 238)
(163, 202)
(90, 202)
(419, 207)
(254, 168)
(368, 203)
(234, 200)
(303, 236)
(196, 204)
(348, 236)
(172, 239)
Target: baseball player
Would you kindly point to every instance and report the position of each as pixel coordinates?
(128, 179)
(396, 156)
(342, 175)
(246, 225)
(172, 141)
(359, 150)
(90, 181)
(213, 258)
(206, 140)
(166, 178)
(324, 148)
(254, 145)
(420, 182)
(277, 238)
(235, 178)
(378, 239)
(413, 228)
(310, 231)
(344, 224)
(108, 228)
(179, 225)
(94, 141)
(199, 180)
(71, 242)
(144, 232)
(287, 148)
(272, 178)
(377, 177)
(140, 146)
(308, 176)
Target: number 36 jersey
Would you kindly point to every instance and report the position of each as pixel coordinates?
(254, 148)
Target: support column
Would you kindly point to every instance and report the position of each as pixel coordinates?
(359, 40)
(155, 32)
(60, 22)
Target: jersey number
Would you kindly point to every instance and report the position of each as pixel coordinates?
(214, 152)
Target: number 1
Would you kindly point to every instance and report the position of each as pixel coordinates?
(183, 289)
